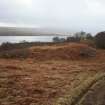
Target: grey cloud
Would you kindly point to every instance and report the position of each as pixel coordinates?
(75, 15)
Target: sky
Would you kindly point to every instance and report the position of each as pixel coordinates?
(67, 15)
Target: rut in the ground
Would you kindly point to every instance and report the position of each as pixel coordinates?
(91, 92)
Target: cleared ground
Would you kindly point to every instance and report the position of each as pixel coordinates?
(42, 79)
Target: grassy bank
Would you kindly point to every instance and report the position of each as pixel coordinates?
(78, 93)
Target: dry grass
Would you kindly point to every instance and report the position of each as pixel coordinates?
(68, 51)
(71, 51)
(42, 82)
(77, 93)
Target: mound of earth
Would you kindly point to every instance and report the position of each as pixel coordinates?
(71, 51)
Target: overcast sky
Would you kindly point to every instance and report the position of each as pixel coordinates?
(77, 15)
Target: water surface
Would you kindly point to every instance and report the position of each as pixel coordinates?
(17, 39)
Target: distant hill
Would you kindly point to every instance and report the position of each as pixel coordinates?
(16, 31)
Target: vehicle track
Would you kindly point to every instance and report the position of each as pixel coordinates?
(79, 94)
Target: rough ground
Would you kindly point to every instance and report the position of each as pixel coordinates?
(42, 82)
(95, 95)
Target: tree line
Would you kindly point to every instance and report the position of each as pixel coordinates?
(98, 40)
(75, 38)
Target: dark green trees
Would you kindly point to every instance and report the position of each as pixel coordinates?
(100, 40)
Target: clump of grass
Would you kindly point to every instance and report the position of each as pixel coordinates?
(76, 94)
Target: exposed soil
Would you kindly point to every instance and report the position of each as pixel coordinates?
(42, 81)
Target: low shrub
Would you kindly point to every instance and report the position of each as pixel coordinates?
(100, 40)
(18, 53)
